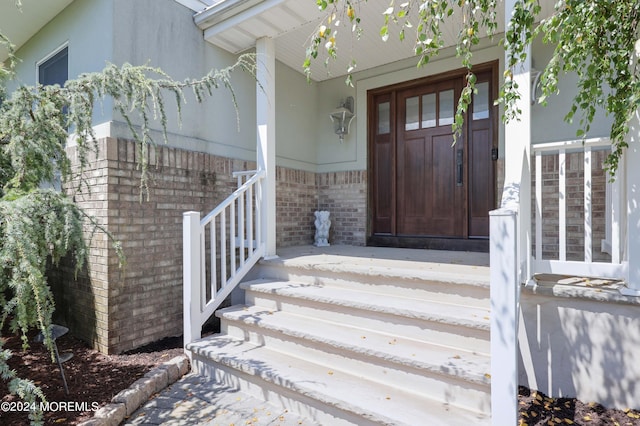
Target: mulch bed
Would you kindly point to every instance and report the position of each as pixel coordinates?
(538, 409)
(94, 377)
(91, 376)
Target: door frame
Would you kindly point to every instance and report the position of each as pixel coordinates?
(393, 240)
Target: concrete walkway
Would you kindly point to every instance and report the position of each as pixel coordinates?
(195, 400)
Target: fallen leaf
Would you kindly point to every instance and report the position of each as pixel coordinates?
(568, 421)
(586, 418)
(487, 375)
(330, 373)
(457, 357)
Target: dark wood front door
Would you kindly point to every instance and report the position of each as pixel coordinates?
(423, 187)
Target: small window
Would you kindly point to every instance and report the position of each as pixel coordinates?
(384, 118)
(54, 69)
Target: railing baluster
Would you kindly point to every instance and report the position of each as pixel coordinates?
(214, 266)
(538, 205)
(232, 241)
(562, 204)
(587, 205)
(259, 216)
(250, 219)
(223, 247)
(203, 270)
(241, 220)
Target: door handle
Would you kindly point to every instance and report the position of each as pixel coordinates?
(459, 167)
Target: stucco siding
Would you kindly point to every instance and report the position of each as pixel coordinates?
(86, 26)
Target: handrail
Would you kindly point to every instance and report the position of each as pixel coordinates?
(219, 250)
(241, 189)
(577, 144)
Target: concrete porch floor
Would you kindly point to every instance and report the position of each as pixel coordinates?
(378, 259)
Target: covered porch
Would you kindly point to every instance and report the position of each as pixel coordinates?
(519, 230)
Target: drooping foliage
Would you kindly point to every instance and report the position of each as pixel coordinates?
(598, 40)
(40, 225)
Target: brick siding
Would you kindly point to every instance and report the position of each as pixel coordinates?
(118, 309)
(296, 200)
(344, 194)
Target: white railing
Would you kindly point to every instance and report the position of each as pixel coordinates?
(613, 267)
(219, 250)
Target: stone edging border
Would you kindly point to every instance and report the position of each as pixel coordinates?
(130, 399)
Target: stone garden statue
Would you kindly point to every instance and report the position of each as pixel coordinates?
(322, 229)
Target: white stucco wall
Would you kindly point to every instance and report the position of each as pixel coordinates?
(298, 119)
(85, 27)
(162, 34)
(581, 347)
(547, 122)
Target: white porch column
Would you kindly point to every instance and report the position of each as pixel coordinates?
(632, 231)
(510, 249)
(266, 143)
(517, 159)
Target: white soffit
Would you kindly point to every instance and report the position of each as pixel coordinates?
(20, 24)
(234, 25)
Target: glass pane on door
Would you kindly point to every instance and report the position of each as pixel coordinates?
(429, 110)
(412, 113)
(384, 118)
(446, 108)
(481, 101)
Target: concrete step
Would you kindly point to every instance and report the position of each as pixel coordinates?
(322, 391)
(450, 282)
(457, 326)
(444, 374)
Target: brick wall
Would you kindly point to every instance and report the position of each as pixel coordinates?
(117, 309)
(296, 200)
(344, 194)
(82, 299)
(574, 203)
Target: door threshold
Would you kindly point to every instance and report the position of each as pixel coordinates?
(430, 243)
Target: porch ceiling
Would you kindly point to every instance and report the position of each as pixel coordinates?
(20, 24)
(234, 25)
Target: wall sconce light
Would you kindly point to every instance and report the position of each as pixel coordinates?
(535, 85)
(342, 118)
